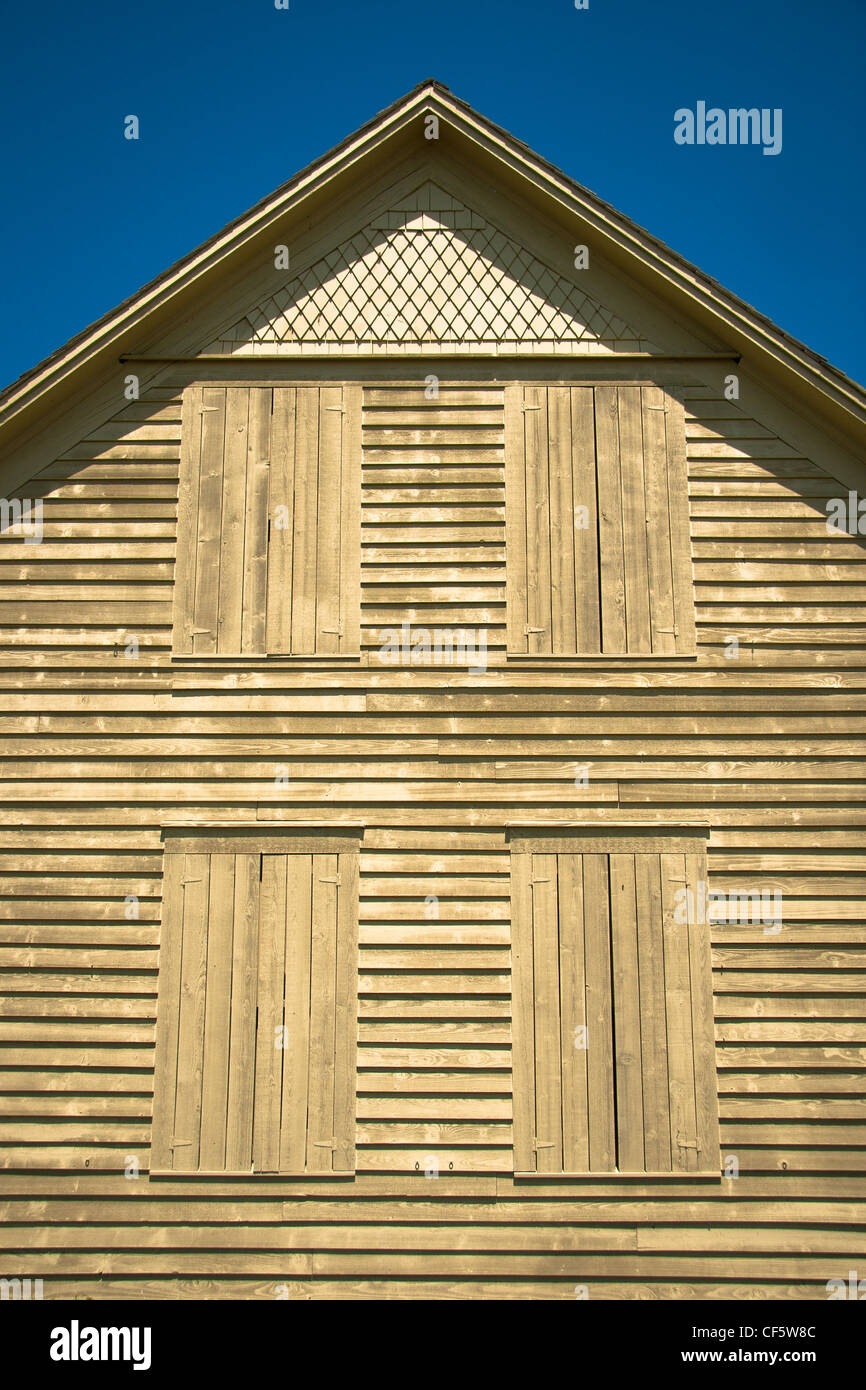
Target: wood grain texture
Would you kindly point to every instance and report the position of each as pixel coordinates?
(99, 748)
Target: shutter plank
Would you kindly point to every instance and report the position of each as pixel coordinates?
(271, 991)
(516, 520)
(548, 1055)
(346, 1021)
(634, 524)
(209, 531)
(303, 628)
(703, 1024)
(584, 493)
(562, 535)
(350, 524)
(680, 531)
(329, 541)
(611, 566)
(233, 520)
(538, 596)
(255, 559)
(297, 1062)
(242, 1034)
(320, 1126)
(168, 1011)
(281, 507)
(190, 1041)
(626, 1014)
(523, 1013)
(187, 521)
(215, 1066)
(602, 1140)
(572, 989)
(654, 1048)
(660, 571)
(681, 1075)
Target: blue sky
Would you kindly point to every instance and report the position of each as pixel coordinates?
(234, 96)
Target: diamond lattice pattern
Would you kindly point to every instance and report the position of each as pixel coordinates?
(429, 271)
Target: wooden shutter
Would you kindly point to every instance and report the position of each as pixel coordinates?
(257, 1014)
(602, 942)
(269, 529)
(597, 522)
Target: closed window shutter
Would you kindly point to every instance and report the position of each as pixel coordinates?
(314, 578)
(257, 1015)
(614, 1052)
(597, 522)
(269, 529)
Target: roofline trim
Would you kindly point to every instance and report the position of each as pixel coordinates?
(620, 231)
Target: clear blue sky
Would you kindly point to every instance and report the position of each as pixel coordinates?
(234, 96)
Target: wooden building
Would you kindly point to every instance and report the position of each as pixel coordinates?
(431, 843)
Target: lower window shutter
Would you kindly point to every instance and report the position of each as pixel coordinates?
(614, 1053)
(257, 1013)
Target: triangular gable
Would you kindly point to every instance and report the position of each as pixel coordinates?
(429, 272)
(74, 389)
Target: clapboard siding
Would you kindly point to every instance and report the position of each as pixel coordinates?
(434, 1063)
(433, 514)
(99, 749)
(104, 570)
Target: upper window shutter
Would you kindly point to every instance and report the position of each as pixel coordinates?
(257, 1015)
(269, 521)
(314, 573)
(614, 1051)
(597, 522)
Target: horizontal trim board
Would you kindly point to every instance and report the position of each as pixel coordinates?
(612, 827)
(220, 1174)
(292, 839)
(529, 658)
(610, 845)
(192, 660)
(244, 359)
(703, 1175)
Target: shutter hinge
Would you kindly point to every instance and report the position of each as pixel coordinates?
(530, 407)
(340, 408)
(543, 1144)
(202, 410)
(533, 881)
(528, 630)
(674, 630)
(179, 1143)
(334, 631)
(336, 880)
(324, 1143)
(686, 1144)
(186, 881)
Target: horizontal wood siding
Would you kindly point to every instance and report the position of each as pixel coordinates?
(103, 571)
(434, 1063)
(433, 518)
(98, 749)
